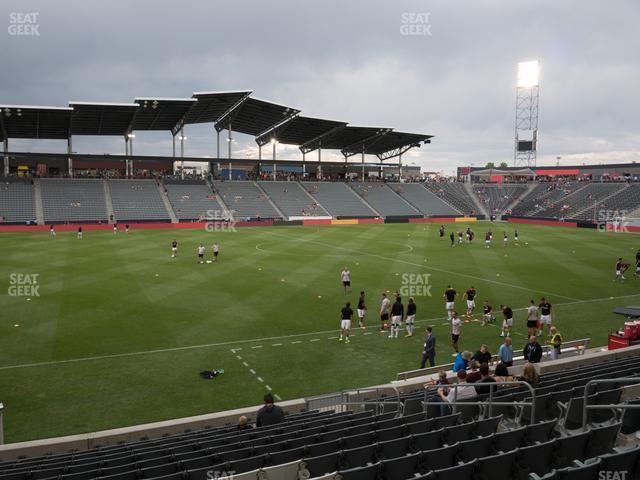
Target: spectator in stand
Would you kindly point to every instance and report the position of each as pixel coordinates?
(532, 351)
(473, 375)
(270, 414)
(485, 378)
(483, 355)
(463, 392)
(441, 380)
(243, 423)
(462, 361)
(501, 373)
(529, 374)
(555, 342)
(506, 352)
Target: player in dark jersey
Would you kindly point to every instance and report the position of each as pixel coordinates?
(174, 249)
(507, 322)
(397, 315)
(487, 239)
(441, 232)
(459, 238)
(452, 238)
(126, 228)
(450, 297)
(468, 235)
(487, 313)
(545, 315)
(362, 310)
(345, 322)
(80, 233)
(621, 267)
(505, 238)
(515, 236)
(472, 235)
(411, 316)
(471, 304)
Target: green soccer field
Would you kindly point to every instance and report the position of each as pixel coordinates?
(120, 331)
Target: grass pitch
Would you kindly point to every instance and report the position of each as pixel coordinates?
(120, 330)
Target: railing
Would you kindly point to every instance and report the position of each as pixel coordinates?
(622, 406)
(575, 346)
(489, 400)
(342, 401)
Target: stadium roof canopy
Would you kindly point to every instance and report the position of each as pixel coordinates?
(92, 118)
(350, 140)
(235, 111)
(299, 130)
(161, 113)
(395, 143)
(253, 116)
(17, 121)
(213, 105)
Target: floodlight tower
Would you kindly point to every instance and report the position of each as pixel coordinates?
(526, 134)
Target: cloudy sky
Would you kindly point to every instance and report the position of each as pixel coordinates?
(346, 60)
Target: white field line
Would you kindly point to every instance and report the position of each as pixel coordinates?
(257, 340)
(436, 269)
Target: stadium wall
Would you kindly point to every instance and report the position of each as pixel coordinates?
(535, 221)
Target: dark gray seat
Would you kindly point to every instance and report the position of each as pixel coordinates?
(401, 467)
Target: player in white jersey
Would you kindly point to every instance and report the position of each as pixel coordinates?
(79, 233)
(201, 251)
(456, 330)
(216, 250)
(115, 229)
(385, 309)
(174, 249)
(346, 279)
(52, 231)
(532, 319)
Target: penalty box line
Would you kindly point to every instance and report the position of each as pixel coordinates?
(255, 341)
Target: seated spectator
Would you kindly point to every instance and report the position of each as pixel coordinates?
(441, 380)
(529, 374)
(473, 375)
(463, 392)
(485, 378)
(462, 361)
(501, 373)
(270, 414)
(243, 423)
(483, 355)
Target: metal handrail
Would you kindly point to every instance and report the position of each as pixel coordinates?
(624, 406)
(492, 386)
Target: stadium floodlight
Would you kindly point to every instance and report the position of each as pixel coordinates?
(182, 137)
(131, 135)
(273, 141)
(528, 74)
